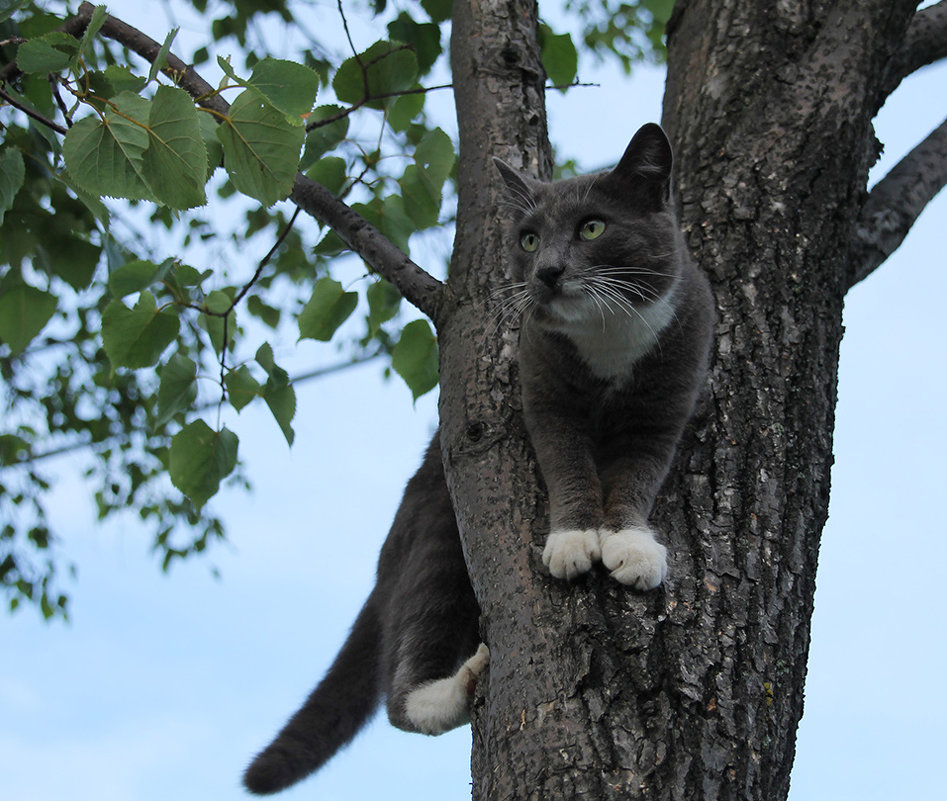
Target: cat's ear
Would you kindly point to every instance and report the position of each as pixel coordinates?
(645, 168)
(519, 188)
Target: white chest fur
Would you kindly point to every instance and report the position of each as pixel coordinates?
(610, 342)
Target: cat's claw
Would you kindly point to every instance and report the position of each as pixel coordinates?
(634, 557)
(571, 552)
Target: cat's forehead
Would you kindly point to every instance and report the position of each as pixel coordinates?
(568, 197)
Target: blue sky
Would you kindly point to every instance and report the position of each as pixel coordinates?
(164, 686)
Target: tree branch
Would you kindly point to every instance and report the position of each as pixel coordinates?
(897, 200)
(926, 39)
(32, 113)
(378, 252)
(418, 286)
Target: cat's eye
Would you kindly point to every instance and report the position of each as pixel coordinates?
(529, 242)
(592, 229)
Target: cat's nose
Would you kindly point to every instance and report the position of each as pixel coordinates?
(549, 275)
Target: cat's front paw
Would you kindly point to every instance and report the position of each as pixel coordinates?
(570, 553)
(634, 557)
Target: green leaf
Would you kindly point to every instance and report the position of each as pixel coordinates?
(24, 312)
(435, 153)
(268, 314)
(13, 449)
(135, 276)
(286, 85)
(330, 172)
(178, 388)
(9, 7)
(71, 258)
(394, 222)
(422, 182)
(384, 300)
(213, 146)
(200, 459)
(438, 10)
(331, 244)
(404, 110)
(50, 53)
(123, 79)
(281, 400)
(279, 395)
(323, 138)
(559, 56)
(423, 37)
(175, 163)
(137, 337)
(224, 64)
(422, 196)
(660, 9)
(105, 155)
(261, 149)
(161, 60)
(381, 71)
(327, 309)
(242, 387)
(91, 202)
(11, 177)
(99, 16)
(218, 303)
(415, 358)
(264, 358)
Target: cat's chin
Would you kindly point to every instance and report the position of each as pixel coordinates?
(564, 312)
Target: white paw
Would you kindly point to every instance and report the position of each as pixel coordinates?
(571, 553)
(635, 557)
(444, 704)
(476, 664)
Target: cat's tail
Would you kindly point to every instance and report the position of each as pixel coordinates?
(332, 715)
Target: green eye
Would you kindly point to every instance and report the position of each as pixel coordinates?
(592, 229)
(529, 242)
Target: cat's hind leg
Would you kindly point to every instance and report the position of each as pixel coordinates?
(432, 637)
(444, 704)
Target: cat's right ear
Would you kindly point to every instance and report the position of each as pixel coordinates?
(518, 187)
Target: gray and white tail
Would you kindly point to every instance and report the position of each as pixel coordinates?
(332, 715)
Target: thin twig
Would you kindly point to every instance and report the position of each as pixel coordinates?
(321, 372)
(33, 114)
(356, 106)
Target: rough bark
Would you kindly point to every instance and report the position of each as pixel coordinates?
(695, 690)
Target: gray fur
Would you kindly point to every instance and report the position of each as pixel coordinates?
(614, 340)
(613, 347)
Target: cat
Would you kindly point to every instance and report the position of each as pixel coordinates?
(614, 343)
(614, 339)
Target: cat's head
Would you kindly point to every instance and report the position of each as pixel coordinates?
(599, 244)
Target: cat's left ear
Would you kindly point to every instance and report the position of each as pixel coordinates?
(519, 187)
(645, 168)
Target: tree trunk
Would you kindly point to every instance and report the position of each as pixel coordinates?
(693, 691)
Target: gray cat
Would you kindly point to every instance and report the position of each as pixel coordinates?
(613, 348)
(616, 325)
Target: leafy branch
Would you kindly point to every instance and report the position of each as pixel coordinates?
(132, 352)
